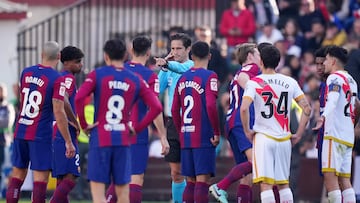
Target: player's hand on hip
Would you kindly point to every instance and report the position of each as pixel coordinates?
(295, 138)
(70, 150)
(250, 135)
(88, 129)
(319, 123)
(215, 140)
(132, 130)
(165, 146)
(76, 126)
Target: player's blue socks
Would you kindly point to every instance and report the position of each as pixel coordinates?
(177, 191)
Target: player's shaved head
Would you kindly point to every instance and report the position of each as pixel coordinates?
(51, 50)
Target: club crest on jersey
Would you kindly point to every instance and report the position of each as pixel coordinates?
(68, 82)
(213, 84)
(62, 89)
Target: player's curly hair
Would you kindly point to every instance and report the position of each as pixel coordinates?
(70, 53)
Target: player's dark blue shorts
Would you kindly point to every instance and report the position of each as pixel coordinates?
(139, 158)
(106, 164)
(38, 153)
(62, 165)
(198, 161)
(239, 144)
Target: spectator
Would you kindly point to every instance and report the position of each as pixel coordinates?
(291, 34)
(317, 35)
(7, 117)
(334, 36)
(237, 25)
(353, 38)
(217, 63)
(307, 13)
(287, 9)
(263, 11)
(269, 34)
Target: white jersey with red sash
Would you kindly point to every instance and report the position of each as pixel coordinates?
(272, 95)
(339, 124)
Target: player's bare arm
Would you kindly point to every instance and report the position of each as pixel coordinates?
(330, 106)
(305, 116)
(357, 115)
(245, 115)
(70, 114)
(242, 79)
(357, 110)
(159, 124)
(62, 123)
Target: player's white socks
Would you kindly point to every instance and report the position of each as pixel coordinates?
(286, 195)
(348, 196)
(267, 196)
(334, 196)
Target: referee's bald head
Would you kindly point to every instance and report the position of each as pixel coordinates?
(51, 51)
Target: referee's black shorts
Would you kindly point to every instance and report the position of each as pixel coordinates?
(173, 138)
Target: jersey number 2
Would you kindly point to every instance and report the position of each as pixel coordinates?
(189, 103)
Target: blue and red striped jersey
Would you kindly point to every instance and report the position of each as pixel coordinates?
(38, 86)
(115, 90)
(139, 109)
(236, 92)
(194, 108)
(70, 84)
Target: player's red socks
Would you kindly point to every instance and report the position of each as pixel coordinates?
(135, 193)
(201, 192)
(236, 173)
(188, 195)
(62, 190)
(13, 191)
(39, 192)
(111, 194)
(244, 194)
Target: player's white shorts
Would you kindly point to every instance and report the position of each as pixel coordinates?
(336, 157)
(271, 159)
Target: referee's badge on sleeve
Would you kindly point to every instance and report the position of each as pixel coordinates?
(213, 84)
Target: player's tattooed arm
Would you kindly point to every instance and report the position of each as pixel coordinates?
(305, 116)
